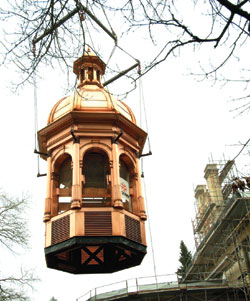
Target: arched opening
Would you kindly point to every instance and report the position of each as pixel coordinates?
(82, 75)
(62, 185)
(128, 184)
(125, 183)
(65, 174)
(96, 179)
(98, 75)
(90, 73)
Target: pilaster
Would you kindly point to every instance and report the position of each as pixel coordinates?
(48, 200)
(76, 186)
(142, 212)
(116, 187)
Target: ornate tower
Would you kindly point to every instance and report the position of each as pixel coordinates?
(94, 208)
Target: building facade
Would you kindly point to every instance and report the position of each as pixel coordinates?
(222, 229)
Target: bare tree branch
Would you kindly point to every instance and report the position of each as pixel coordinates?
(14, 288)
(235, 9)
(13, 226)
(59, 28)
(14, 233)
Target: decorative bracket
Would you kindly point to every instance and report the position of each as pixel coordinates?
(114, 140)
(75, 139)
(48, 154)
(41, 175)
(143, 155)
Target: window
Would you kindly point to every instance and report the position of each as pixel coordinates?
(96, 188)
(82, 75)
(63, 184)
(90, 73)
(125, 183)
(98, 75)
(65, 174)
(95, 170)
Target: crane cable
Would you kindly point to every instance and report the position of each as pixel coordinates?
(112, 52)
(103, 10)
(112, 30)
(93, 49)
(82, 18)
(150, 236)
(89, 34)
(35, 110)
(116, 40)
(143, 107)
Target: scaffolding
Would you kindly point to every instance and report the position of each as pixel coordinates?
(221, 228)
(210, 202)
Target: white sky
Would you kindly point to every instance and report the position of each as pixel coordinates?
(187, 122)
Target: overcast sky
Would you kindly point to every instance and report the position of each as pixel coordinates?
(187, 121)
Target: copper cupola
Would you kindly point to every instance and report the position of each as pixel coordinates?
(94, 208)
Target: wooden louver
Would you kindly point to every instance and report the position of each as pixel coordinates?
(98, 223)
(133, 230)
(60, 229)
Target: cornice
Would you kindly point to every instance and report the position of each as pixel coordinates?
(89, 117)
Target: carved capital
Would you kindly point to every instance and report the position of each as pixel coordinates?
(46, 217)
(76, 204)
(110, 163)
(143, 215)
(134, 176)
(118, 204)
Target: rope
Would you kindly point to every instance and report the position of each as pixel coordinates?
(89, 34)
(126, 52)
(142, 105)
(113, 32)
(113, 50)
(110, 97)
(35, 109)
(150, 236)
(111, 54)
(107, 19)
(35, 113)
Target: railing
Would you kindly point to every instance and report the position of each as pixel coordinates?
(131, 286)
(147, 284)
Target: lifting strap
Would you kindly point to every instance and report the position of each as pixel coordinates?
(143, 113)
(35, 115)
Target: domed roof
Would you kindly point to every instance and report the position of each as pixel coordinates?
(90, 94)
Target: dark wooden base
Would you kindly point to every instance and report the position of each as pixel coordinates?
(93, 255)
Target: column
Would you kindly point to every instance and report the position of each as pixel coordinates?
(214, 190)
(213, 184)
(47, 209)
(76, 201)
(200, 191)
(142, 212)
(116, 186)
(54, 185)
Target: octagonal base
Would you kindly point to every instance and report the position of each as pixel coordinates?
(88, 255)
